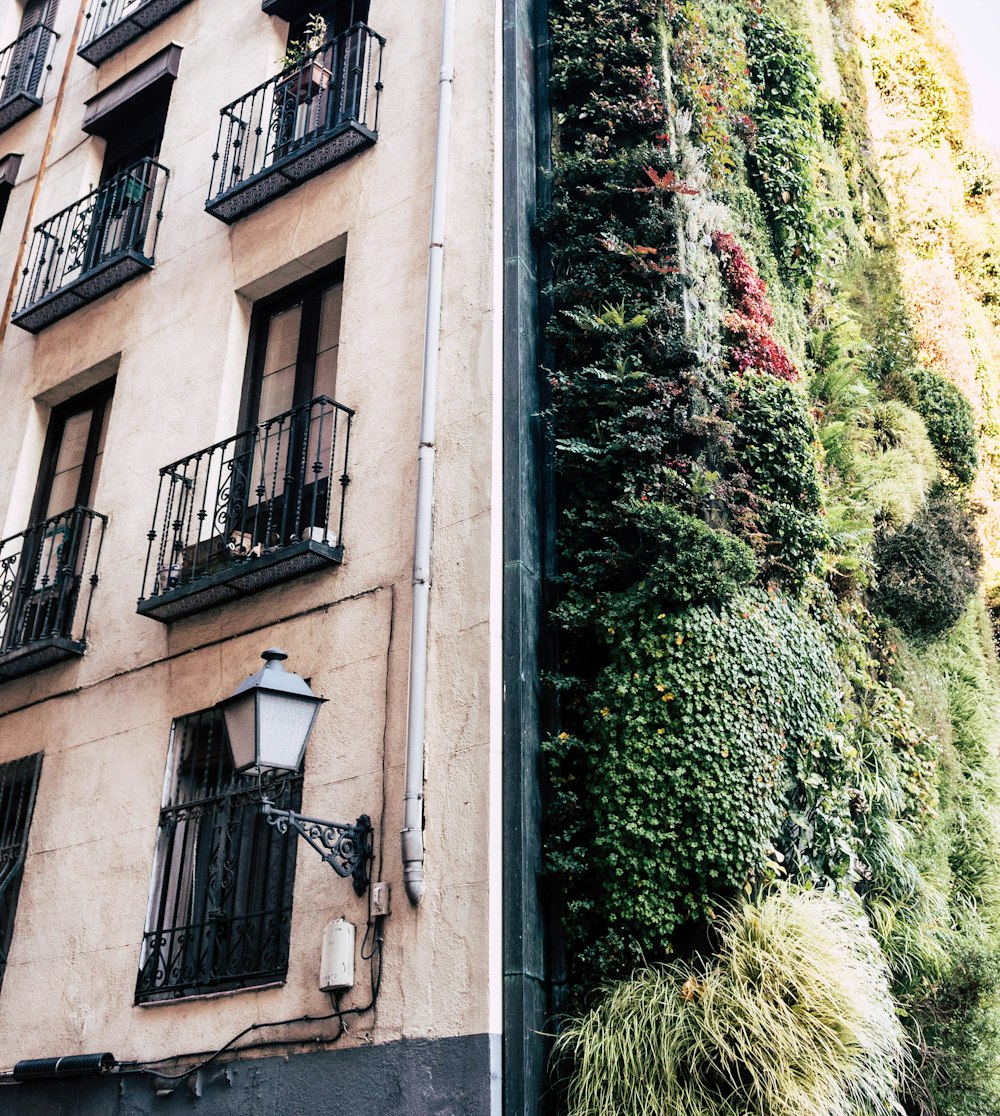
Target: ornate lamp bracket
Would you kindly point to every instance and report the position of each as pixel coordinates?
(346, 848)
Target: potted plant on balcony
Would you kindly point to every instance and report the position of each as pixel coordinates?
(303, 73)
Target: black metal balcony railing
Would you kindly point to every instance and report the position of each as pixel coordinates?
(47, 579)
(113, 24)
(297, 124)
(24, 66)
(246, 513)
(93, 246)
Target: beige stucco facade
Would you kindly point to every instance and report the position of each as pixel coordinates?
(176, 340)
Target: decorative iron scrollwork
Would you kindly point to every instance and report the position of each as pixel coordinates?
(346, 848)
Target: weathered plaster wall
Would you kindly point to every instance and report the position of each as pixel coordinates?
(177, 338)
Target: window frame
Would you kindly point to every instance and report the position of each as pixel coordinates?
(309, 292)
(99, 398)
(208, 847)
(26, 770)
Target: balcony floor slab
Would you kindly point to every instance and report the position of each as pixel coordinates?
(89, 287)
(125, 31)
(37, 654)
(310, 157)
(17, 108)
(241, 579)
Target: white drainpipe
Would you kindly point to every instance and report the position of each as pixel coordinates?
(413, 814)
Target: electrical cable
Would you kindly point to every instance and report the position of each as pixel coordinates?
(378, 942)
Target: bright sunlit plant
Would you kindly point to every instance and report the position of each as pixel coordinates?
(791, 1017)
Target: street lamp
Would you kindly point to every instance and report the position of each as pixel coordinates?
(269, 718)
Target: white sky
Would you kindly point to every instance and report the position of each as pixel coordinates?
(976, 26)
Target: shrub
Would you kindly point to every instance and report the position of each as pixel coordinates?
(833, 120)
(961, 1035)
(792, 1017)
(950, 425)
(895, 465)
(657, 557)
(978, 169)
(750, 345)
(695, 731)
(775, 490)
(784, 155)
(928, 570)
(710, 79)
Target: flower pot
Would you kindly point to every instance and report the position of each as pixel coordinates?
(303, 83)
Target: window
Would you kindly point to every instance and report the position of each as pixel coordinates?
(131, 116)
(294, 338)
(338, 15)
(9, 166)
(282, 473)
(326, 90)
(266, 504)
(74, 450)
(221, 898)
(56, 556)
(18, 781)
(30, 49)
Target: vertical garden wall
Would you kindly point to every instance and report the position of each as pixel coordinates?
(775, 798)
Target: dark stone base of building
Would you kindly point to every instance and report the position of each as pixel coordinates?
(413, 1077)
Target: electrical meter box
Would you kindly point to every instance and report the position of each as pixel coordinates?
(337, 963)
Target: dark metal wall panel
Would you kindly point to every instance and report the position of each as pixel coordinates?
(527, 533)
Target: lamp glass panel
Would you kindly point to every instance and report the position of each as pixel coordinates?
(241, 717)
(285, 724)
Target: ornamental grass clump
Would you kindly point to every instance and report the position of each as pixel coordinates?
(792, 1017)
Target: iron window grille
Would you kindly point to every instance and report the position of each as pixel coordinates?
(248, 512)
(298, 123)
(48, 574)
(221, 899)
(92, 246)
(18, 783)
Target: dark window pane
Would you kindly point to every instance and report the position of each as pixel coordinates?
(18, 781)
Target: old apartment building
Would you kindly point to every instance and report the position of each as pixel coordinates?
(268, 374)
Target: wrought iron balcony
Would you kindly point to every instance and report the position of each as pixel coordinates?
(24, 66)
(297, 124)
(47, 579)
(249, 512)
(113, 24)
(93, 246)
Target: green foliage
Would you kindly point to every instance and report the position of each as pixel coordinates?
(709, 67)
(873, 294)
(978, 170)
(970, 777)
(898, 802)
(833, 119)
(961, 1035)
(792, 1016)
(717, 737)
(709, 733)
(905, 73)
(775, 492)
(950, 425)
(928, 570)
(784, 154)
(895, 465)
(658, 557)
(955, 1010)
